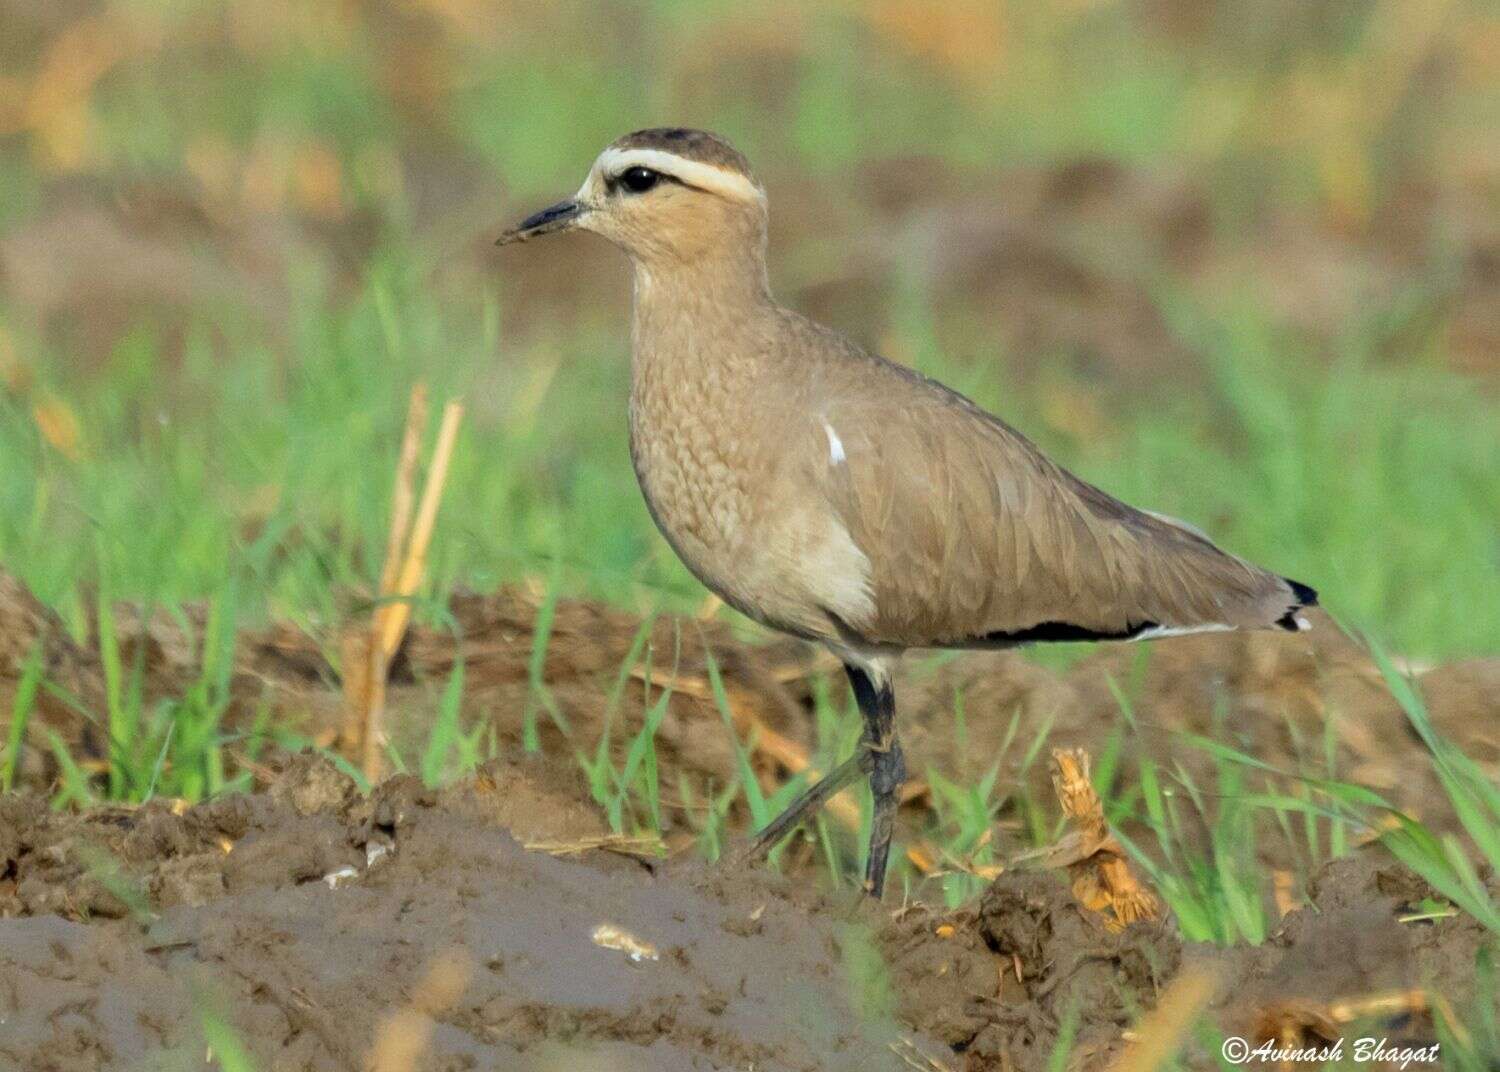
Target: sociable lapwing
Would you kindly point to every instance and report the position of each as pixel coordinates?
(831, 494)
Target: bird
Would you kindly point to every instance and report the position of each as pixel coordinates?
(834, 495)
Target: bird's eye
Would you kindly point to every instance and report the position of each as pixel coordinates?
(638, 179)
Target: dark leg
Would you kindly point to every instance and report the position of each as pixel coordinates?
(807, 805)
(877, 702)
(879, 756)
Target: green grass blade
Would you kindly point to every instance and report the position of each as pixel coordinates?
(446, 735)
(760, 811)
(21, 707)
(75, 784)
(538, 694)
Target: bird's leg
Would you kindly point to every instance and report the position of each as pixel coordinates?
(877, 702)
(879, 755)
(807, 805)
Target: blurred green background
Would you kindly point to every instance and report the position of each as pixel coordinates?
(1238, 262)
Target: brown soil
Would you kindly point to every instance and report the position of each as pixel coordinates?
(327, 923)
(331, 930)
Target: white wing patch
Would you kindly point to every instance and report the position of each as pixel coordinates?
(835, 445)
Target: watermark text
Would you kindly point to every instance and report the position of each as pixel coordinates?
(1239, 1051)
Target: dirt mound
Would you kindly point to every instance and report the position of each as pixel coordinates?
(108, 862)
(318, 922)
(1349, 942)
(1359, 961)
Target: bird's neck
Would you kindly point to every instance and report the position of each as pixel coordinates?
(702, 347)
(697, 327)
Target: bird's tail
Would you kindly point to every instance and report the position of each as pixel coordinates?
(1303, 596)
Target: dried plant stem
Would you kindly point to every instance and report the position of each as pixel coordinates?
(402, 493)
(1102, 879)
(394, 615)
(367, 654)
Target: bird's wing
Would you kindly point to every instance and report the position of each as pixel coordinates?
(974, 537)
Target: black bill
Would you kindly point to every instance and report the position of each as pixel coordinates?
(558, 217)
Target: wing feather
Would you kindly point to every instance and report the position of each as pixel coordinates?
(974, 536)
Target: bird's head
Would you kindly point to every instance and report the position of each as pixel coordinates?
(667, 197)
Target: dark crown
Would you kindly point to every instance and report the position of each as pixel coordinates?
(696, 145)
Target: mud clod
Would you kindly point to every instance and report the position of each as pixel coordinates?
(999, 986)
(311, 783)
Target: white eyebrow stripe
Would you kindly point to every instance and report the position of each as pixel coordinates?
(719, 180)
